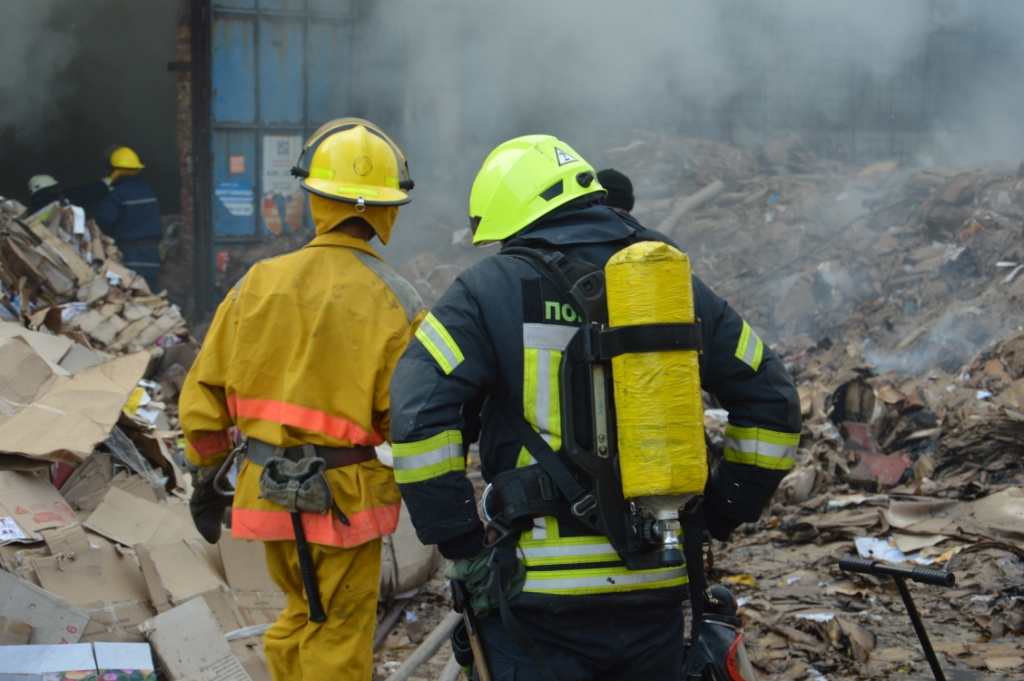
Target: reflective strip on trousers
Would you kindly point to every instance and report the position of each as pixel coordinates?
(426, 459)
(761, 447)
(749, 349)
(602, 580)
(439, 344)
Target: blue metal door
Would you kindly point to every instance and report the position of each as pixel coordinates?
(279, 69)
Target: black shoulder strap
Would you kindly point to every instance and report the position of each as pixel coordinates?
(561, 270)
(580, 501)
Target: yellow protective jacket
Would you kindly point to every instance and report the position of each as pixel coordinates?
(301, 351)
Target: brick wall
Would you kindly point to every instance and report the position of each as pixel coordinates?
(180, 281)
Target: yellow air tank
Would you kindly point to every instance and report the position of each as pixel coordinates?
(658, 405)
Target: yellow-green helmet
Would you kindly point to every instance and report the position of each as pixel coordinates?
(524, 179)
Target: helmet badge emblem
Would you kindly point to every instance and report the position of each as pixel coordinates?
(362, 166)
(563, 157)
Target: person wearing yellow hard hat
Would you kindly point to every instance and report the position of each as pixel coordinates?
(298, 358)
(568, 579)
(131, 215)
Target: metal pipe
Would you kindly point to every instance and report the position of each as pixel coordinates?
(922, 635)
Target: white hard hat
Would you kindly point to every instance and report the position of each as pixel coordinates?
(37, 182)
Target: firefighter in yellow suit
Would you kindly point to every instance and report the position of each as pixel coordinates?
(301, 352)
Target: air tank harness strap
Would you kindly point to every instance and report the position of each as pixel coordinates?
(581, 502)
(693, 550)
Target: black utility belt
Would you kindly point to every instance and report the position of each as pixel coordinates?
(260, 453)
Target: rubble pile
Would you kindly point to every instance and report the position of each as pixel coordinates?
(63, 274)
(894, 296)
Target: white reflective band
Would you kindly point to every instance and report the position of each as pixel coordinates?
(439, 343)
(408, 463)
(569, 551)
(598, 579)
(760, 448)
(547, 336)
(540, 528)
(136, 202)
(542, 412)
(749, 349)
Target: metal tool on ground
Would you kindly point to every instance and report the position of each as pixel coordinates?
(460, 597)
(426, 650)
(900, 576)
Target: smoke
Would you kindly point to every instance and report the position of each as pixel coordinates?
(78, 76)
(33, 52)
(876, 79)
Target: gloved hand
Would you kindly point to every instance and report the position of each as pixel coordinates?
(474, 573)
(207, 504)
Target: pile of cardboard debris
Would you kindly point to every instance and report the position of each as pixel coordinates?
(894, 297)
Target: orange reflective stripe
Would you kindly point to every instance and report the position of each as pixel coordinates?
(320, 529)
(214, 443)
(302, 417)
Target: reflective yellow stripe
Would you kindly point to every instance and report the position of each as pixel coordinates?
(358, 190)
(321, 173)
(439, 343)
(426, 459)
(750, 349)
(525, 458)
(541, 403)
(602, 580)
(761, 447)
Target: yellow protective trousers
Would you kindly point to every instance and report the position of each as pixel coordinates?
(340, 649)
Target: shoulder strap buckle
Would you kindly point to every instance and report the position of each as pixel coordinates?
(584, 506)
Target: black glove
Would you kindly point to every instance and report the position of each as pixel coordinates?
(207, 504)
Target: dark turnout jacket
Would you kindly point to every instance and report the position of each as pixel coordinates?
(494, 333)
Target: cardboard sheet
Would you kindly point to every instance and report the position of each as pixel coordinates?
(13, 632)
(52, 619)
(184, 570)
(129, 520)
(33, 503)
(245, 564)
(53, 349)
(87, 484)
(118, 622)
(92, 578)
(191, 645)
(74, 414)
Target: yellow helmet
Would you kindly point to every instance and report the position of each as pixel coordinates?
(125, 158)
(523, 180)
(354, 161)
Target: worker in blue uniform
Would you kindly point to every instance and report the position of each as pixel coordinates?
(131, 215)
(575, 611)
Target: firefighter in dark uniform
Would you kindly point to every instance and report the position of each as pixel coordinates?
(131, 215)
(493, 336)
(45, 190)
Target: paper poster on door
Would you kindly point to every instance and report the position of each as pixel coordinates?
(283, 202)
